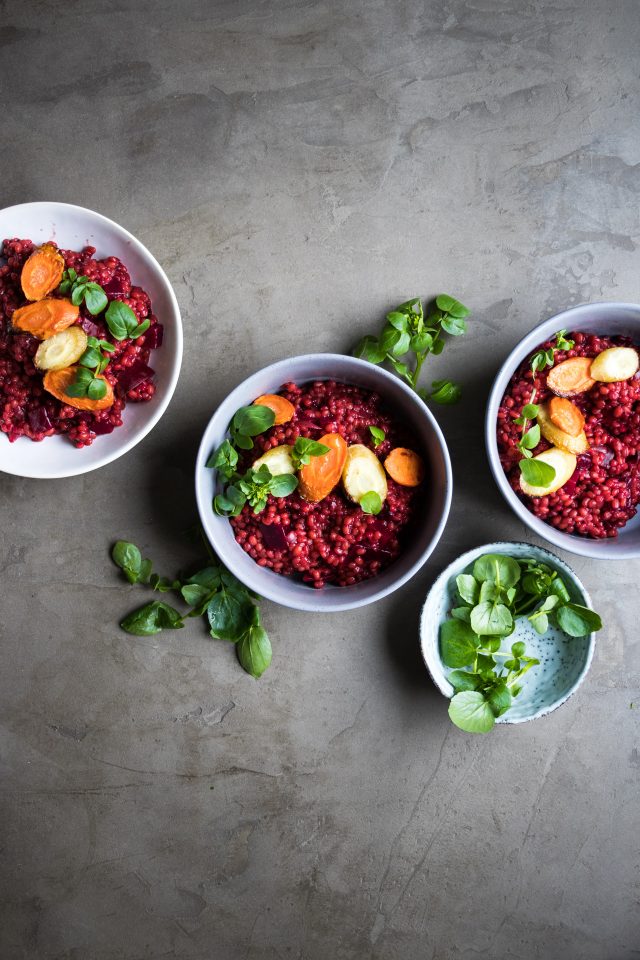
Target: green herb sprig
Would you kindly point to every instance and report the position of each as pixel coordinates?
(536, 472)
(82, 288)
(93, 362)
(253, 488)
(304, 449)
(488, 602)
(378, 436)
(409, 334)
(230, 609)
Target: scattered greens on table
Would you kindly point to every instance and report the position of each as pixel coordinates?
(489, 600)
(231, 610)
(536, 472)
(408, 337)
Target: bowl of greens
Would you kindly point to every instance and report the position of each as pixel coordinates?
(507, 634)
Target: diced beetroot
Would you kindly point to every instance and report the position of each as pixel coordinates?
(134, 375)
(274, 536)
(154, 336)
(101, 427)
(39, 420)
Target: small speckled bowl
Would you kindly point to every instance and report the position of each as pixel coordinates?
(564, 661)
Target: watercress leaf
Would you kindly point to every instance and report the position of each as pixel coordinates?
(402, 345)
(540, 623)
(531, 438)
(537, 473)
(485, 666)
(71, 274)
(468, 587)
(224, 459)
(454, 326)
(77, 389)
(283, 484)
(120, 318)
(145, 571)
(377, 434)
(127, 556)
(90, 358)
(463, 680)
(518, 648)
(515, 690)
(462, 613)
(437, 347)
(229, 614)
(140, 329)
(242, 441)
(530, 411)
(533, 584)
(97, 389)
(390, 337)
(492, 644)
(304, 449)
(209, 577)
(577, 621)
(491, 619)
(370, 502)
(558, 588)
(458, 644)
(413, 306)
(470, 712)
(445, 392)
(399, 320)
(254, 651)
(152, 618)
(400, 368)
(369, 349)
(499, 698)
(95, 299)
(163, 584)
(452, 306)
(229, 503)
(194, 593)
(489, 592)
(252, 420)
(511, 594)
(106, 346)
(77, 295)
(421, 342)
(497, 568)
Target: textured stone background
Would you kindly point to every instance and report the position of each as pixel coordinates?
(298, 168)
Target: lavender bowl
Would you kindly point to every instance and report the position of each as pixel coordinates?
(286, 590)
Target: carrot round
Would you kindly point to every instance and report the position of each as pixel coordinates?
(570, 377)
(57, 381)
(566, 416)
(321, 474)
(42, 272)
(45, 317)
(283, 410)
(405, 467)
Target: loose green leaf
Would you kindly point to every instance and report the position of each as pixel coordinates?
(304, 449)
(462, 613)
(127, 556)
(378, 435)
(120, 319)
(470, 712)
(497, 568)
(451, 306)
(152, 618)
(95, 298)
(499, 699)
(370, 502)
(254, 651)
(230, 615)
(463, 680)
(468, 587)
(491, 619)
(578, 621)
(445, 392)
(283, 484)
(458, 644)
(537, 473)
(252, 420)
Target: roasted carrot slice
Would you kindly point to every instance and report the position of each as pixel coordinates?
(405, 467)
(571, 377)
(283, 410)
(57, 381)
(566, 416)
(321, 474)
(46, 317)
(42, 272)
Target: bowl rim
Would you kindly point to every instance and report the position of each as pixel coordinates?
(313, 604)
(582, 546)
(469, 555)
(170, 382)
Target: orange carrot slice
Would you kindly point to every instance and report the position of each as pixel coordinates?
(42, 272)
(283, 410)
(571, 377)
(321, 474)
(405, 467)
(566, 416)
(57, 381)
(45, 317)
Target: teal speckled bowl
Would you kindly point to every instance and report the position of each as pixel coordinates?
(564, 660)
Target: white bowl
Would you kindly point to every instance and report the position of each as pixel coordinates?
(564, 661)
(74, 228)
(606, 319)
(294, 593)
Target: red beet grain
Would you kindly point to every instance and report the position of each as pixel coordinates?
(332, 541)
(604, 491)
(26, 409)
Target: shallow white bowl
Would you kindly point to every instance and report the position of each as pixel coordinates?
(608, 319)
(285, 590)
(74, 228)
(564, 661)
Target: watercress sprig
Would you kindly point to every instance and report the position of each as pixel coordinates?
(87, 381)
(253, 488)
(535, 472)
(488, 601)
(303, 449)
(409, 334)
(123, 323)
(378, 435)
(230, 608)
(82, 288)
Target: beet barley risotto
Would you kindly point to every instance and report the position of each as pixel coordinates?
(329, 486)
(569, 433)
(75, 342)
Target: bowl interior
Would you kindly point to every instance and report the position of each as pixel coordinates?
(75, 227)
(603, 318)
(564, 660)
(406, 404)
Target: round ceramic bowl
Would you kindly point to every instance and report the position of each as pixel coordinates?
(74, 227)
(286, 590)
(604, 318)
(564, 660)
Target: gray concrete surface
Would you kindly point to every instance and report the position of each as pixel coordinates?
(299, 167)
